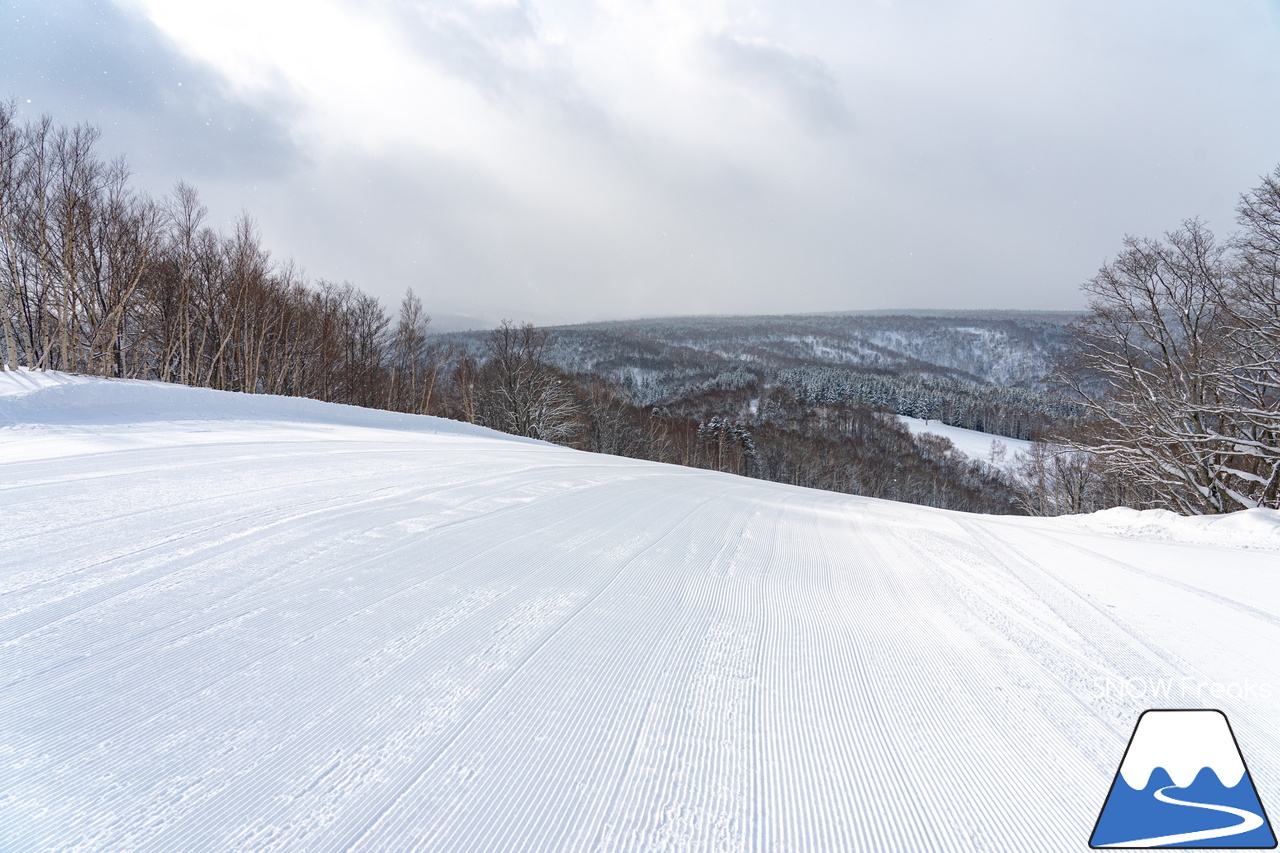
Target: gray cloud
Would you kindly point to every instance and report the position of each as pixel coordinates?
(802, 84)
(556, 159)
(81, 60)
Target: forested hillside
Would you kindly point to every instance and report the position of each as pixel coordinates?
(660, 357)
(99, 278)
(986, 371)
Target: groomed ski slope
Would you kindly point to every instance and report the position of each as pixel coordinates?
(248, 623)
(976, 445)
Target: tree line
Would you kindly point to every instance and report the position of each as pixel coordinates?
(1013, 412)
(99, 278)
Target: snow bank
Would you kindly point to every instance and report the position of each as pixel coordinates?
(23, 381)
(1250, 528)
(52, 398)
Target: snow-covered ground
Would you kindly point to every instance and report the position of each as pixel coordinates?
(974, 444)
(1252, 528)
(250, 623)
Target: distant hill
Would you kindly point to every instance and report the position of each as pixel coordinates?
(659, 357)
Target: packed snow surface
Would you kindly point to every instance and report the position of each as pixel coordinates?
(247, 623)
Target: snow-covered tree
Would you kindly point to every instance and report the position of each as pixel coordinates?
(518, 392)
(1178, 363)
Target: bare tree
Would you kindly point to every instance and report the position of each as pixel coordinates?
(1253, 305)
(518, 392)
(412, 368)
(364, 333)
(611, 425)
(172, 290)
(1152, 342)
(12, 149)
(1054, 479)
(1179, 363)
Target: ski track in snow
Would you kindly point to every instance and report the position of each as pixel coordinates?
(230, 636)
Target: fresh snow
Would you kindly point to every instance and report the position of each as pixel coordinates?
(1250, 528)
(233, 622)
(970, 442)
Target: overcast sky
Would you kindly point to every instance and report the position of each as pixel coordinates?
(560, 160)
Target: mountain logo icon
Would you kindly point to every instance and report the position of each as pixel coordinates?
(1183, 783)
